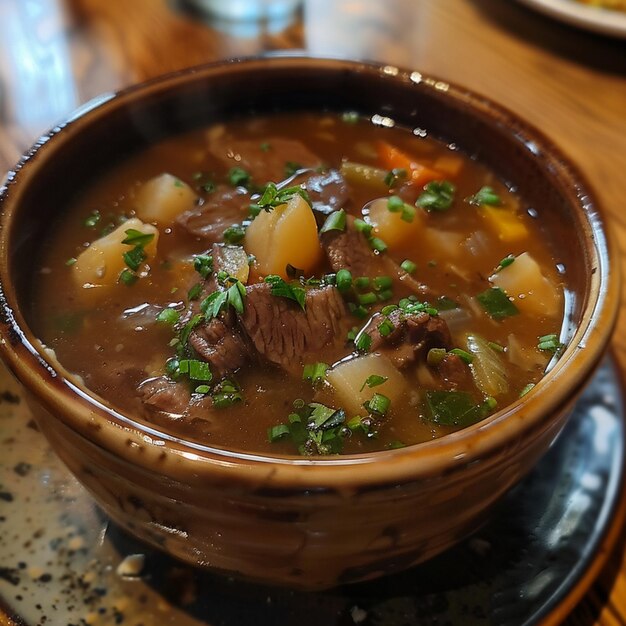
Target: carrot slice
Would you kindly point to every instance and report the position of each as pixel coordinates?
(391, 158)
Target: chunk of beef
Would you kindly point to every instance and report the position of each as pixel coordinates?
(223, 208)
(328, 192)
(267, 159)
(412, 336)
(286, 335)
(453, 372)
(164, 399)
(221, 345)
(349, 249)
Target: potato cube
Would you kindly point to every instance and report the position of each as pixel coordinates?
(531, 291)
(101, 263)
(163, 198)
(349, 376)
(285, 235)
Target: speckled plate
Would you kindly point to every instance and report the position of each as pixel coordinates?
(62, 562)
(593, 18)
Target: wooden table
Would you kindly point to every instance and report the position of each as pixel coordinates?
(55, 55)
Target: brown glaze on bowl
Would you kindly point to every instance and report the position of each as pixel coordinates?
(297, 521)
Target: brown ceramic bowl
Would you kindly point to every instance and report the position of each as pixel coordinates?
(298, 521)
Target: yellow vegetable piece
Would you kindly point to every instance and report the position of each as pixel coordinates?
(347, 378)
(531, 291)
(450, 164)
(101, 263)
(285, 235)
(506, 224)
(163, 198)
(391, 228)
(443, 245)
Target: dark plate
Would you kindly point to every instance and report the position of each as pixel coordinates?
(60, 557)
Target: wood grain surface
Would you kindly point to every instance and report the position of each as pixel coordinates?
(55, 55)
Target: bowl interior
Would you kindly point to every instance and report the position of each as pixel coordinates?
(85, 146)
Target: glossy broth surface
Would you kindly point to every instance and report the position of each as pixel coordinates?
(108, 334)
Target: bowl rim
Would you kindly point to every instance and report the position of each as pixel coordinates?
(50, 383)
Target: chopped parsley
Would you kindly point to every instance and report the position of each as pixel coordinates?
(408, 266)
(438, 195)
(238, 177)
(465, 356)
(506, 261)
(168, 316)
(363, 342)
(314, 428)
(203, 264)
(378, 404)
(283, 289)
(549, 343)
(374, 381)
(335, 221)
(218, 301)
(137, 238)
(485, 196)
(456, 408)
(127, 277)
(315, 372)
(226, 393)
(496, 303)
(395, 176)
(271, 197)
(343, 280)
(234, 234)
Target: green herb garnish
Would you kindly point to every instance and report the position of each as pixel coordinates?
(238, 177)
(395, 176)
(335, 221)
(378, 404)
(386, 327)
(456, 408)
(549, 343)
(168, 316)
(408, 266)
(218, 301)
(466, 357)
(485, 196)
(363, 342)
(438, 195)
(315, 372)
(203, 264)
(374, 381)
(271, 197)
(343, 280)
(283, 289)
(496, 303)
(226, 393)
(127, 277)
(137, 238)
(377, 244)
(234, 234)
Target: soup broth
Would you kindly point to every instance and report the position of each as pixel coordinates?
(302, 283)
